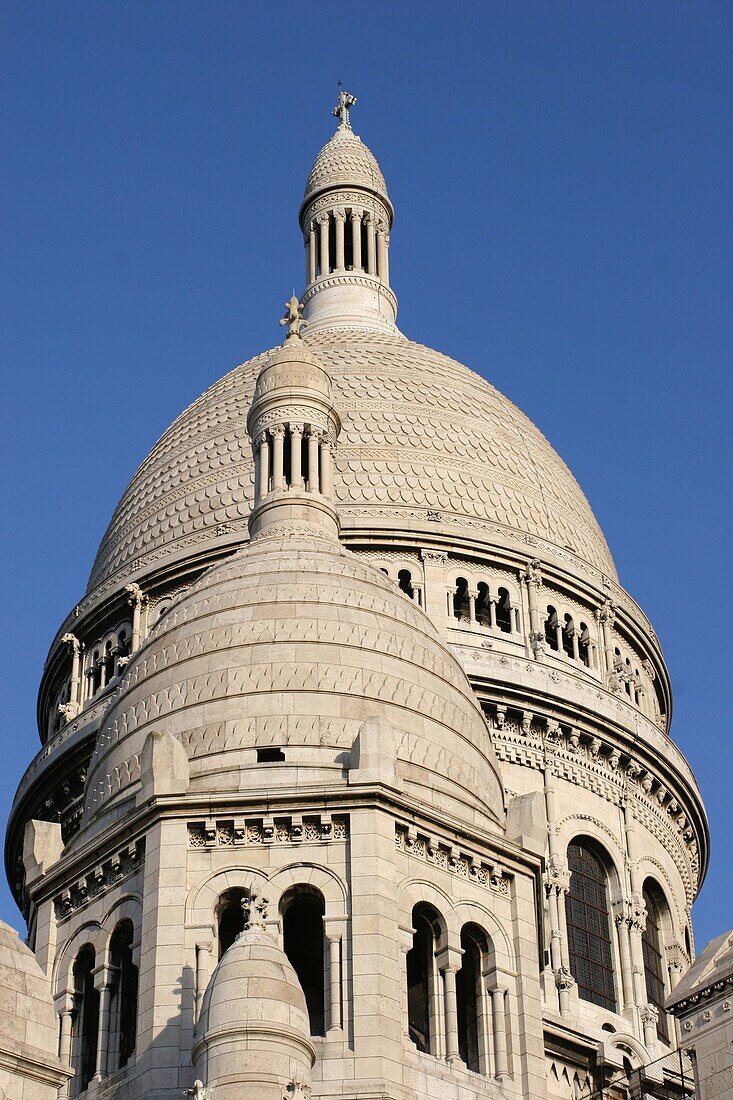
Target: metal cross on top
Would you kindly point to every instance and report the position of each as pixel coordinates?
(342, 108)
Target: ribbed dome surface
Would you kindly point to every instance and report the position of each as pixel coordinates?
(345, 161)
(426, 444)
(295, 641)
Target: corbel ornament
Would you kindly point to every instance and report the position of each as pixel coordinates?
(557, 877)
(73, 643)
(649, 1015)
(606, 613)
(135, 595)
(564, 980)
(532, 574)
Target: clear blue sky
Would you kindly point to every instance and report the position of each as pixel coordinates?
(561, 174)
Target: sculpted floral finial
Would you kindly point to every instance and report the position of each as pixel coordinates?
(342, 108)
(254, 907)
(293, 317)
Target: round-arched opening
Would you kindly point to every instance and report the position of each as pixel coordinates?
(302, 910)
(589, 923)
(422, 978)
(230, 917)
(123, 1002)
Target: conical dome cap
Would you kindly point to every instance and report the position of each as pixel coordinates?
(345, 161)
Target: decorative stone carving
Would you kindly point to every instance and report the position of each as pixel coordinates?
(293, 318)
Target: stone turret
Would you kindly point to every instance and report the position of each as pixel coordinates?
(253, 1037)
(346, 217)
(293, 426)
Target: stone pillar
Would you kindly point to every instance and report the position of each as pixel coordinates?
(371, 245)
(532, 578)
(137, 601)
(434, 563)
(278, 471)
(313, 444)
(557, 886)
(322, 220)
(605, 617)
(498, 1024)
(263, 472)
(311, 276)
(326, 467)
(356, 238)
(574, 643)
(471, 606)
(74, 694)
(406, 939)
(339, 218)
(622, 929)
(382, 263)
(296, 474)
(336, 1021)
(451, 1011)
(102, 982)
(203, 973)
(65, 1009)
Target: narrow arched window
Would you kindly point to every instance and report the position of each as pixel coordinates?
(229, 917)
(469, 998)
(97, 672)
(421, 979)
(504, 611)
(123, 1002)
(302, 910)
(86, 1021)
(589, 926)
(483, 610)
(551, 625)
(651, 944)
(404, 579)
(568, 633)
(461, 602)
(584, 645)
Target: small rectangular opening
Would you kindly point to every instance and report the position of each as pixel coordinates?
(269, 756)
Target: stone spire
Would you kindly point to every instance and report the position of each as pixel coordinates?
(346, 217)
(293, 426)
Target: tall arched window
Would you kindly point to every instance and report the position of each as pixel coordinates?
(568, 633)
(584, 645)
(404, 580)
(302, 910)
(123, 1003)
(483, 610)
(504, 611)
(421, 978)
(461, 602)
(651, 943)
(589, 926)
(229, 917)
(86, 1022)
(551, 631)
(469, 998)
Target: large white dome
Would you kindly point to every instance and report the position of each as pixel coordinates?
(427, 446)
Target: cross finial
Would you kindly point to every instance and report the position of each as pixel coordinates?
(342, 108)
(293, 317)
(254, 906)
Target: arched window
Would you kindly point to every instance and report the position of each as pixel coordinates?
(504, 611)
(584, 645)
(230, 917)
(86, 1021)
(123, 1003)
(461, 602)
(551, 625)
(651, 944)
(404, 579)
(123, 644)
(589, 926)
(568, 633)
(421, 978)
(302, 910)
(469, 998)
(483, 609)
(96, 672)
(688, 945)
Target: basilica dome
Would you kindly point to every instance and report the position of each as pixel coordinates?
(345, 161)
(426, 445)
(283, 656)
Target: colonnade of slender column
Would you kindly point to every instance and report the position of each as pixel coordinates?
(324, 255)
(270, 466)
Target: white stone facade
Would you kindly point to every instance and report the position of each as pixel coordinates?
(354, 642)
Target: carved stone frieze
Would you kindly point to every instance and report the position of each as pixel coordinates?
(451, 859)
(294, 829)
(126, 862)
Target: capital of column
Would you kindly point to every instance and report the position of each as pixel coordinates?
(73, 643)
(322, 219)
(606, 613)
(557, 877)
(135, 595)
(532, 573)
(339, 215)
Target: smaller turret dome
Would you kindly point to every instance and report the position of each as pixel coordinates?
(345, 161)
(253, 1031)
